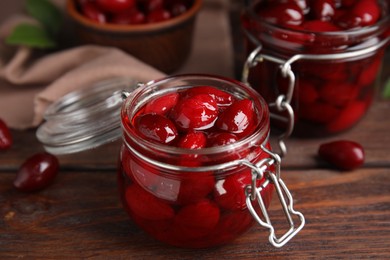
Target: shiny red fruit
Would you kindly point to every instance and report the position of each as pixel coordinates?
(193, 140)
(238, 117)
(338, 93)
(37, 172)
(230, 192)
(158, 15)
(301, 3)
(320, 26)
(151, 5)
(323, 9)
(368, 11)
(347, 117)
(115, 6)
(146, 205)
(5, 136)
(284, 14)
(156, 127)
(197, 112)
(197, 219)
(132, 16)
(177, 9)
(319, 112)
(369, 72)
(343, 154)
(162, 104)
(221, 97)
(347, 3)
(195, 187)
(363, 13)
(220, 139)
(307, 92)
(92, 12)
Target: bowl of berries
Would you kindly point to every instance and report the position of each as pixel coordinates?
(158, 32)
(321, 57)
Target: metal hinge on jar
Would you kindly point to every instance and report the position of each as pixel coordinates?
(282, 102)
(253, 193)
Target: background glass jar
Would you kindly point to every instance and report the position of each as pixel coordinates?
(335, 74)
(203, 203)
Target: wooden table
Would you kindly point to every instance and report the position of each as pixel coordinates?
(80, 216)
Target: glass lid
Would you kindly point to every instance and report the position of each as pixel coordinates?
(86, 118)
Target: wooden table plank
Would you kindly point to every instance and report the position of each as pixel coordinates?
(80, 216)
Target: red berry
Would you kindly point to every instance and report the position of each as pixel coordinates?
(162, 105)
(229, 193)
(158, 15)
(238, 117)
(320, 26)
(37, 172)
(152, 5)
(285, 14)
(324, 72)
(221, 97)
(345, 155)
(92, 12)
(146, 205)
(347, 117)
(156, 127)
(369, 72)
(195, 186)
(301, 3)
(178, 9)
(193, 140)
(318, 112)
(197, 219)
(368, 11)
(132, 16)
(5, 136)
(347, 3)
(115, 6)
(363, 13)
(220, 139)
(338, 93)
(323, 9)
(232, 224)
(197, 112)
(140, 173)
(307, 92)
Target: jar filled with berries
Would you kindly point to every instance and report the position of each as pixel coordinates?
(196, 167)
(323, 58)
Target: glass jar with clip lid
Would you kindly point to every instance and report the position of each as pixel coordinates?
(195, 166)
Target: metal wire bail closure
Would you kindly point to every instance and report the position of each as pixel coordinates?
(253, 193)
(282, 102)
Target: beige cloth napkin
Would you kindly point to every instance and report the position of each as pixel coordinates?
(28, 84)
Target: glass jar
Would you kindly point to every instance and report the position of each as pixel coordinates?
(329, 78)
(215, 198)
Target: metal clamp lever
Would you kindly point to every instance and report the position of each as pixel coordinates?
(253, 193)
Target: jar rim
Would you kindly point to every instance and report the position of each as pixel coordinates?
(129, 129)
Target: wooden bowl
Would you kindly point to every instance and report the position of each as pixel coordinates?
(164, 45)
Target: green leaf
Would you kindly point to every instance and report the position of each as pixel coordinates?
(46, 13)
(386, 92)
(30, 35)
